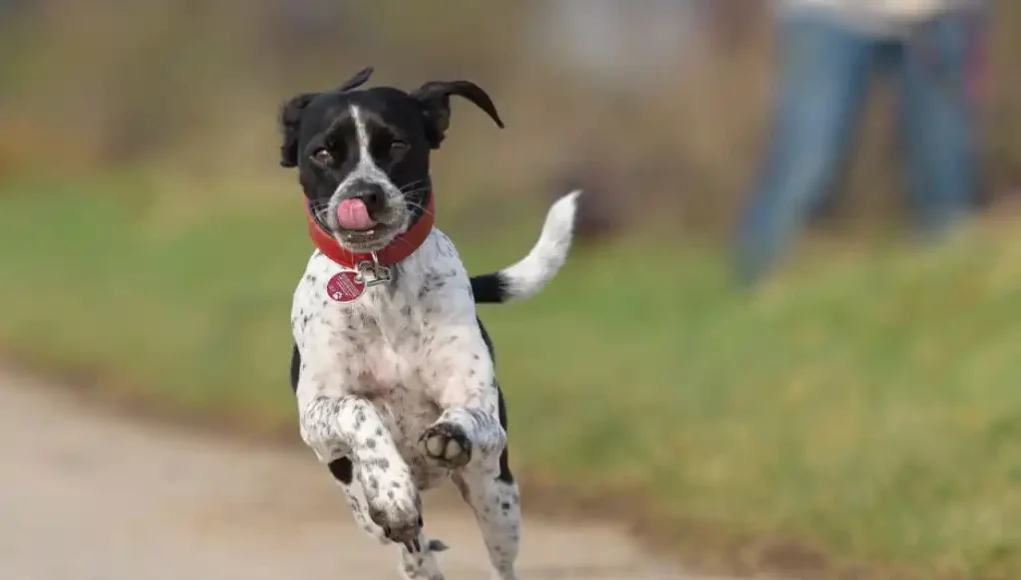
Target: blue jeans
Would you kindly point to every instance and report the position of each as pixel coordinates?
(827, 69)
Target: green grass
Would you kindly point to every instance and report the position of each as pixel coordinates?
(869, 409)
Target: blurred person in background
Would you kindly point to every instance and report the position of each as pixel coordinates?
(827, 50)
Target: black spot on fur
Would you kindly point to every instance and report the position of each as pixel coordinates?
(505, 474)
(296, 367)
(342, 470)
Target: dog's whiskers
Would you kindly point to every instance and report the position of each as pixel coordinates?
(319, 209)
(416, 191)
(409, 187)
(416, 205)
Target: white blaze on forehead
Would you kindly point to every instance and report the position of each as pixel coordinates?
(362, 135)
(366, 168)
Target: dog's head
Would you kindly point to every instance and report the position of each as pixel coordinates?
(363, 154)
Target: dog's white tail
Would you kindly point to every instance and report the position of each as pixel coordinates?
(528, 276)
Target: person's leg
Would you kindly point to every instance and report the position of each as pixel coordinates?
(939, 120)
(825, 70)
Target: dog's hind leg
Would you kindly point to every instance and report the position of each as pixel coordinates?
(418, 561)
(493, 496)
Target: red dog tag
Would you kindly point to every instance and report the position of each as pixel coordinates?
(343, 287)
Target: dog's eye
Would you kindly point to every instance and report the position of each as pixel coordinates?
(323, 156)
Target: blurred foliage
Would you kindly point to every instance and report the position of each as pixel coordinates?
(195, 84)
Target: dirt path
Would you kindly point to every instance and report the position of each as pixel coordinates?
(85, 496)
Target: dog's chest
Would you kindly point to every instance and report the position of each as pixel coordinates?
(376, 347)
(389, 364)
(407, 412)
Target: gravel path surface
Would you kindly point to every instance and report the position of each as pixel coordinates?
(90, 496)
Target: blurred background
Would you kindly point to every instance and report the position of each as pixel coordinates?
(855, 409)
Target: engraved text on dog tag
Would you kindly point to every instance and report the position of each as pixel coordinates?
(345, 286)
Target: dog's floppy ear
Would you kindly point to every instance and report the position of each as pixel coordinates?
(290, 123)
(435, 100)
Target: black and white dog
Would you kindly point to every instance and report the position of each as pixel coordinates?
(392, 369)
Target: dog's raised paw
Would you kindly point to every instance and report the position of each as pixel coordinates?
(447, 444)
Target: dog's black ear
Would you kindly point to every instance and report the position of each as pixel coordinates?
(290, 123)
(357, 80)
(435, 100)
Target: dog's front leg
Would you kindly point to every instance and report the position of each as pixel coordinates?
(470, 438)
(461, 380)
(351, 426)
(418, 560)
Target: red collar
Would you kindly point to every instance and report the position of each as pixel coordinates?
(397, 251)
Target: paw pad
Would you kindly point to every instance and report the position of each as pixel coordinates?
(447, 444)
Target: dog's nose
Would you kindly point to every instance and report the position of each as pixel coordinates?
(372, 195)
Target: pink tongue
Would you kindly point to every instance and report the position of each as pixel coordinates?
(353, 215)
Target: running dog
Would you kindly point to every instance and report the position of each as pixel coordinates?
(392, 370)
